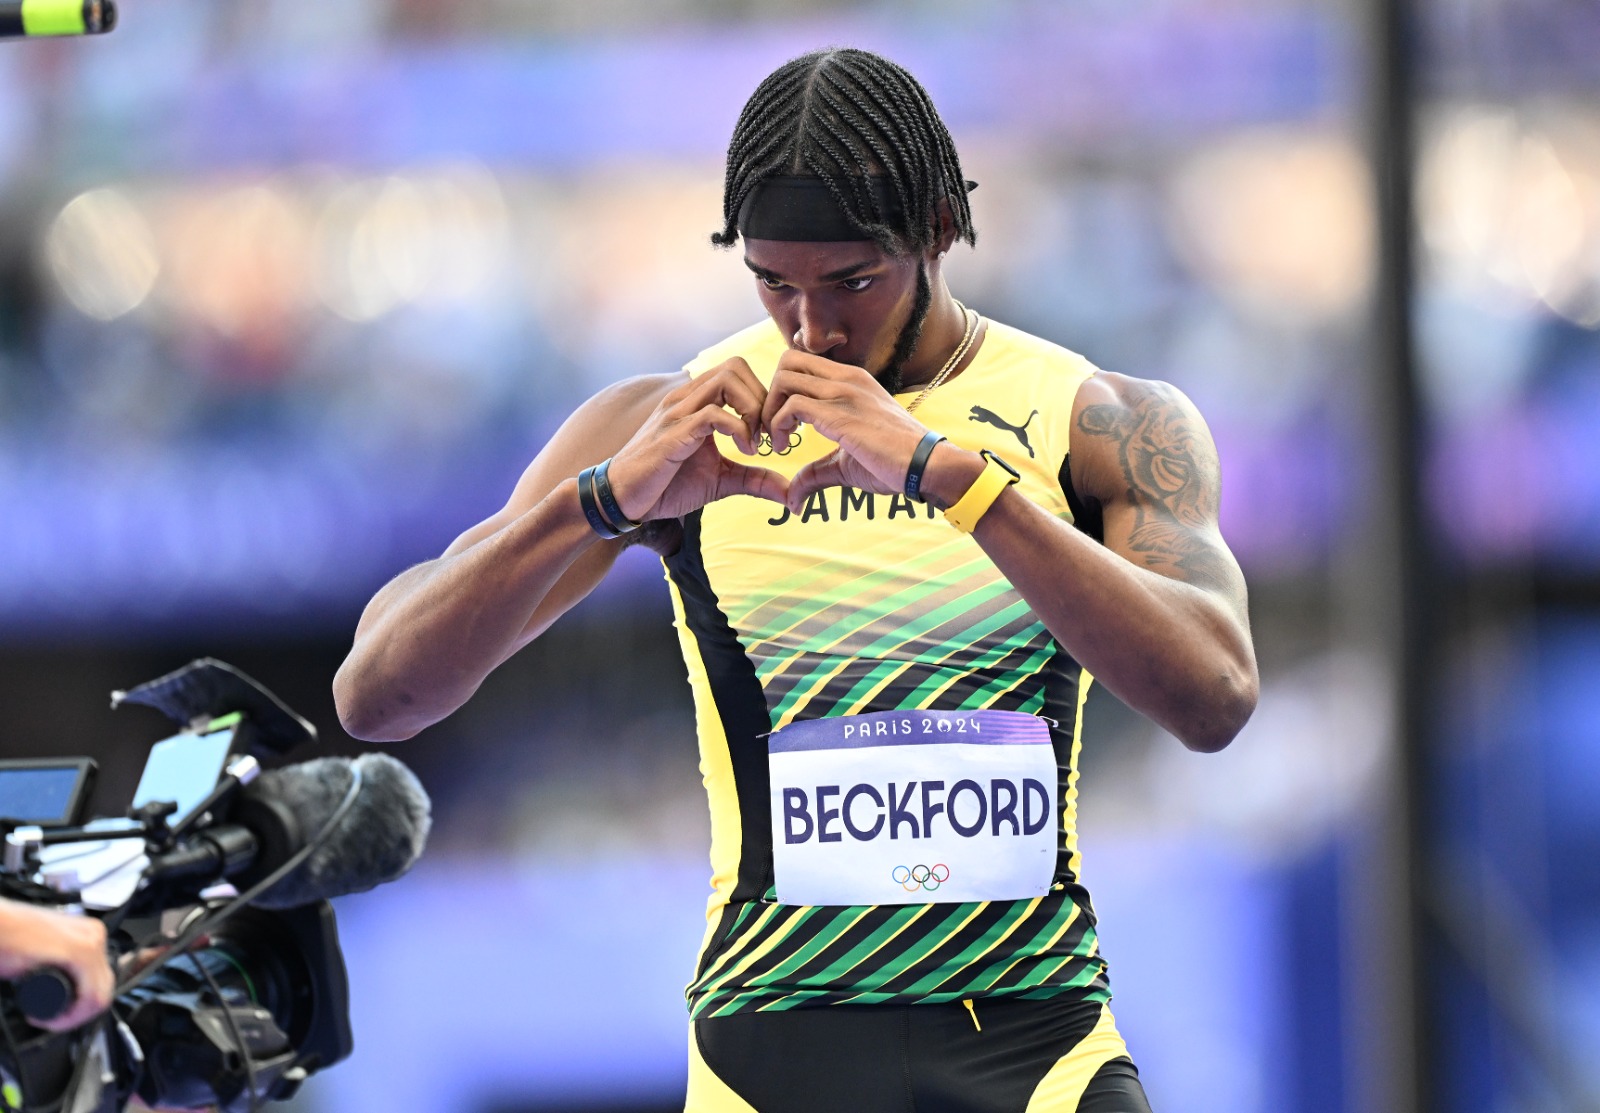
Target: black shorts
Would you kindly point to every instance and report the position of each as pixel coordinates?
(1053, 1056)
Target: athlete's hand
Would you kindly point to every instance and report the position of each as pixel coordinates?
(875, 434)
(672, 466)
(32, 938)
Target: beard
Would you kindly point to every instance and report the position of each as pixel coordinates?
(891, 377)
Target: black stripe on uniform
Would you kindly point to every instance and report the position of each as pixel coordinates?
(988, 915)
(1061, 676)
(741, 707)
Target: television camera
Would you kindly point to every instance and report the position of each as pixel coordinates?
(214, 892)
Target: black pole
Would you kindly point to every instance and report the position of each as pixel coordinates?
(1404, 562)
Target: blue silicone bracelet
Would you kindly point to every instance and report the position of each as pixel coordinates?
(919, 463)
(591, 506)
(608, 500)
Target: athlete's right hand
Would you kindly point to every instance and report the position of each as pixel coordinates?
(672, 466)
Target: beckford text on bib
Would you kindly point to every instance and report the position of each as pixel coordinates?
(907, 807)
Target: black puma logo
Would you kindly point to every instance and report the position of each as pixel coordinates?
(989, 417)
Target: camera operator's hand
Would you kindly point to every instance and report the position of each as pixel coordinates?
(32, 938)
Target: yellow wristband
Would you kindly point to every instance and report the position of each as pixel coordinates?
(970, 508)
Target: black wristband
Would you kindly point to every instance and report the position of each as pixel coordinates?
(591, 506)
(919, 464)
(608, 500)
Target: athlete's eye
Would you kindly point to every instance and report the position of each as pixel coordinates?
(769, 282)
(856, 285)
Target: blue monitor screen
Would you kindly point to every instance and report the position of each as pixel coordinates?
(183, 769)
(39, 795)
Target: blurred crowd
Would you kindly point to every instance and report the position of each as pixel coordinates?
(290, 292)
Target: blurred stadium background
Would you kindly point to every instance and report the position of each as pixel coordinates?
(291, 291)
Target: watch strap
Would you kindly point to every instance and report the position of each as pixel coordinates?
(970, 508)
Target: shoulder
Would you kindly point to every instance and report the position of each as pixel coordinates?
(1134, 435)
(597, 429)
(611, 416)
(641, 390)
(1037, 372)
(1018, 342)
(1011, 346)
(1112, 397)
(621, 406)
(760, 345)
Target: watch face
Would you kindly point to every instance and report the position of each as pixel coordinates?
(1016, 476)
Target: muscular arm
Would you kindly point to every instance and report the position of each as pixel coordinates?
(1158, 613)
(428, 639)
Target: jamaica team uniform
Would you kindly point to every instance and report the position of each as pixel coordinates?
(872, 614)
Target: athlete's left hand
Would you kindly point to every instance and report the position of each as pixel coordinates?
(875, 434)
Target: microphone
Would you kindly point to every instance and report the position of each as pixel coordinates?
(377, 839)
(28, 19)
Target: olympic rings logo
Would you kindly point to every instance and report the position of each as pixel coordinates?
(766, 448)
(912, 878)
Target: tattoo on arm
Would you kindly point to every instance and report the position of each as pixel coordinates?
(1172, 482)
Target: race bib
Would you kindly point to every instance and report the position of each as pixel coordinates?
(913, 807)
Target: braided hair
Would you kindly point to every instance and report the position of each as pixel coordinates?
(843, 116)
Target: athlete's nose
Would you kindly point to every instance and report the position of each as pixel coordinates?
(816, 334)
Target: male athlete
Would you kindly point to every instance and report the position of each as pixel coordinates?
(900, 539)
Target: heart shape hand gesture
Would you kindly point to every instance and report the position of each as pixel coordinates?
(671, 466)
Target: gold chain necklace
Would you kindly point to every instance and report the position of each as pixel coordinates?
(970, 322)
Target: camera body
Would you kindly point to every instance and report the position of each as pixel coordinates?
(243, 1019)
(231, 1004)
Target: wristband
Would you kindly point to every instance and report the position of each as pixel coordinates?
(609, 506)
(919, 464)
(591, 505)
(970, 508)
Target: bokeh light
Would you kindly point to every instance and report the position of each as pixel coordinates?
(103, 254)
(291, 293)
(438, 237)
(1509, 205)
(1280, 222)
(239, 258)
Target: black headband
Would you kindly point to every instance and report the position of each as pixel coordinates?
(802, 208)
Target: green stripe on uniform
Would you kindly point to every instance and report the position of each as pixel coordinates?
(733, 956)
(885, 667)
(858, 618)
(902, 918)
(1013, 918)
(979, 630)
(828, 935)
(802, 598)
